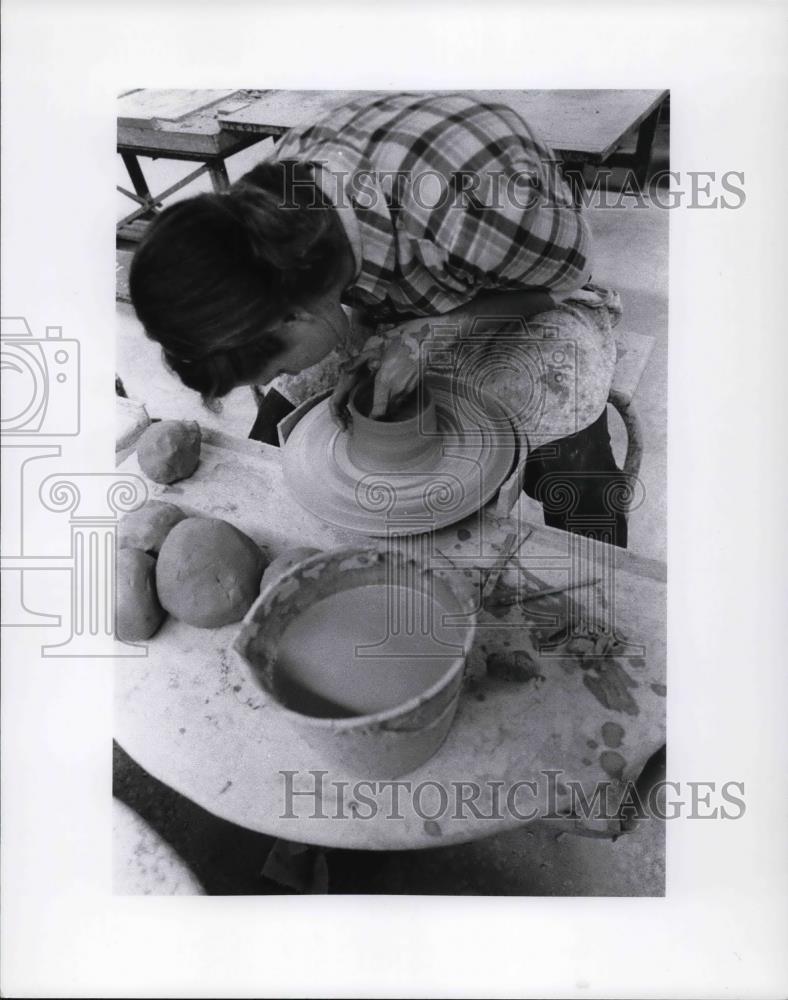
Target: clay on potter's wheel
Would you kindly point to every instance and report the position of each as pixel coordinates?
(400, 409)
(421, 472)
(208, 572)
(138, 610)
(170, 450)
(406, 435)
(147, 527)
(283, 562)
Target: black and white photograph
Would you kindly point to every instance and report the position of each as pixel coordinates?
(393, 545)
(382, 365)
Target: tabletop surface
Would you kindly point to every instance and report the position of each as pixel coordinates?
(143, 107)
(183, 124)
(589, 122)
(190, 713)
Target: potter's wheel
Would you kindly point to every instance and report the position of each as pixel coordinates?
(468, 457)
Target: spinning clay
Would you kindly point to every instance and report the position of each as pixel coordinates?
(283, 562)
(147, 527)
(208, 573)
(438, 458)
(170, 450)
(138, 611)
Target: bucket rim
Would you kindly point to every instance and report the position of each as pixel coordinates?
(250, 626)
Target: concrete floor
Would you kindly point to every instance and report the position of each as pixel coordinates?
(631, 256)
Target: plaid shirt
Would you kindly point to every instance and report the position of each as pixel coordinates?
(443, 197)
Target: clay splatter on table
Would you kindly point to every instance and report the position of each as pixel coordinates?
(612, 763)
(612, 734)
(514, 665)
(609, 683)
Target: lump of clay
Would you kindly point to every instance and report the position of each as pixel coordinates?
(138, 611)
(208, 572)
(147, 527)
(169, 450)
(283, 562)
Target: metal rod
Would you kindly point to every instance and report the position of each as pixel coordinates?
(547, 592)
(508, 550)
(147, 202)
(164, 194)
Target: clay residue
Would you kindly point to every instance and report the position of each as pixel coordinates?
(554, 383)
(659, 689)
(432, 828)
(513, 665)
(612, 763)
(287, 588)
(609, 683)
(612, 734)
(501, 601)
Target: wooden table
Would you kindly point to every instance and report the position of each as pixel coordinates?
(191, 715)
(174, 125)
(207, 126)
(582, 126)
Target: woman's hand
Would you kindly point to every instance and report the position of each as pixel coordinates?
(395, 360)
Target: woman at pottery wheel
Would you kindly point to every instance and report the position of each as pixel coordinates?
(397, 234)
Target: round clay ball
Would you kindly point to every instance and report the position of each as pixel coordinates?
(147, 527)
(208, 572)
(138, 611)
(169, 450)
(283, 562)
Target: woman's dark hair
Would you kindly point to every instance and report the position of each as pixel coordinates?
(212, 272)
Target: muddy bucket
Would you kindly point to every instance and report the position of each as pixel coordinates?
(362, 651)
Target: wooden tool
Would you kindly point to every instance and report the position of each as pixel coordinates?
(509, 549)
(547, 592)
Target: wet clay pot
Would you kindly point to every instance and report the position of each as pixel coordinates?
(406, 436)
